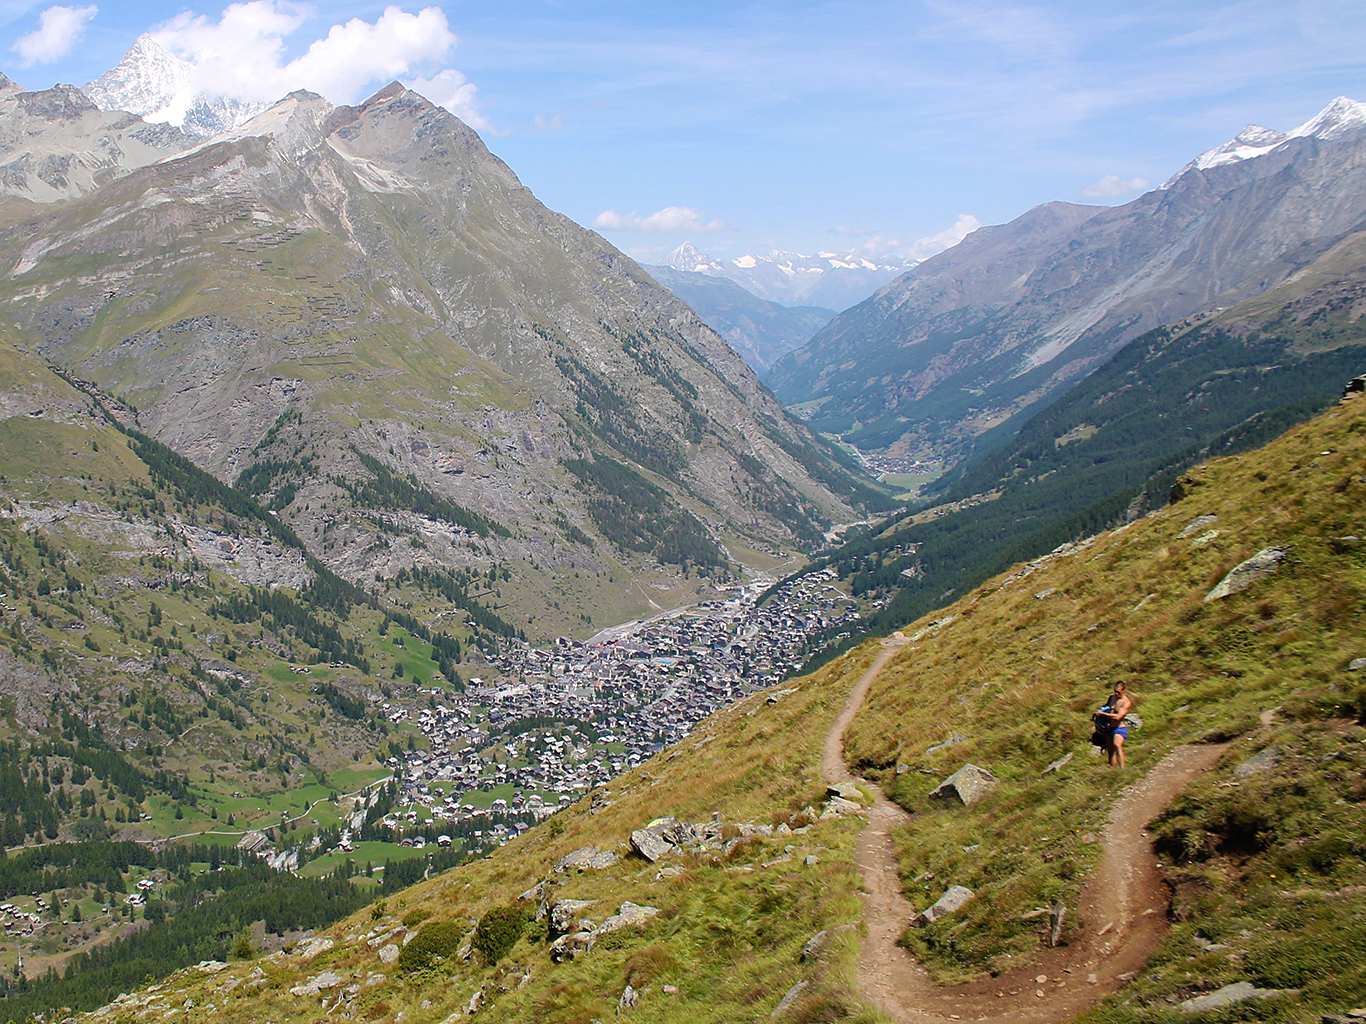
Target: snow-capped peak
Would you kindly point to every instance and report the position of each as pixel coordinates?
(1340, 118)
(156, 85)
(687, 258)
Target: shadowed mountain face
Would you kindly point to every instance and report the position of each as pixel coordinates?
(759, 330)
(327, 287)
(1014, 313)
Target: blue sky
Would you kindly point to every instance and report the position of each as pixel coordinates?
(805, 126)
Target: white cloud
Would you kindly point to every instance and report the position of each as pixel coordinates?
(671, 218)
(926, 247)
(541, 123)
(241, 55)
(450, 89)
(1113, 185)
(59, 28)
(840, 229)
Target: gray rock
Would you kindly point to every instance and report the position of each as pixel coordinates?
(1243, 575)
(683, 834)
(1263, 760)
(1196, 526)
(791, 997)
(629, 998)
(630, 913)
(1356, 665)
(388, 954)
(952, 741)
(1060, 762)
(845, 790)
(1235, 993)
(313, 947)
(813, 946)
(476, 1000)
(837, 805)
(811, 860)
(568, 947)
(605, 859)
(967, 785)
(564, 915)
(955, 899)
(328, 979)
(649, 841)
(577, 859)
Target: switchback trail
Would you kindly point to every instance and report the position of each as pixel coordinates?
(1124, 905)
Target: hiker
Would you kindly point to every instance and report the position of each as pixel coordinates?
(1111, 716)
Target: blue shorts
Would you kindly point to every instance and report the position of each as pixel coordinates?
(1122, 731)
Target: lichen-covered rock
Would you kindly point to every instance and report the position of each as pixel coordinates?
(564, 915)
(326, 980)
(630, 913)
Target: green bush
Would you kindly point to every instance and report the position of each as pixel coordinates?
(415, 917)
(436, 941)
(498, 931)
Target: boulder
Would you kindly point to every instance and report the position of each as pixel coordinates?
(838, 805)
(1230, 994)
(629, 998)
(564, 915)
(630, 913)
(649, 841)
(1356, 665)
(791, 997)
(567, 947)
(844, 790)
(328, 979)
(952, 901)
(967, 785)
(388, 954)
(605, 859)
(313, 947)
(577, 858)
(1241, 576)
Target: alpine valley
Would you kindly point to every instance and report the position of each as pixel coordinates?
(413, 611)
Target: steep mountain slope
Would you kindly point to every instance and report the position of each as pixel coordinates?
(759, 330)
(1265, 856)
(55, 144)
(362, 317)
(1111, 448)
(154, 84)
(1012, 314)
(826, 280)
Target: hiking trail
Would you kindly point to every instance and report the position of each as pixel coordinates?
(1124, 904)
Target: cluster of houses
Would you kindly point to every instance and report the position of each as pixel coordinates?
(555, 723)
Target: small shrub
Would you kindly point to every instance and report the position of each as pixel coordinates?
(415, 917)
(498, 931)
(436, 941)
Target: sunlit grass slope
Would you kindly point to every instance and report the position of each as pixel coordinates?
(1015, 669)
(727, 942)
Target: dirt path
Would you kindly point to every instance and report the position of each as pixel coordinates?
(1124, 905)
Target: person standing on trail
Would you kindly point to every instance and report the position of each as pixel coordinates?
(1116, 707)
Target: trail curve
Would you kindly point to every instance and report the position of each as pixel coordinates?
(1124, 904)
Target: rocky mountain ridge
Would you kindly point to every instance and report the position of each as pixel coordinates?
(361, 315)
(973, 336)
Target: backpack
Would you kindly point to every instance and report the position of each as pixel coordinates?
(1104, 727)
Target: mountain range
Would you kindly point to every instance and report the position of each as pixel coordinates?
(325, 286)
(976, 336)
(827, 279)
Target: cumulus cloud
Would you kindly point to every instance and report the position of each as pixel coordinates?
(59, 29)
(451, 90)
(926, 247)
(241, 55)
(671, 218)
(1113, 185)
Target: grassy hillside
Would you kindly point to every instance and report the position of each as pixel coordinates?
(1265, 854)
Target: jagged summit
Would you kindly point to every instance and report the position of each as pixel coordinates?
(1339, 119)
(157, 85)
